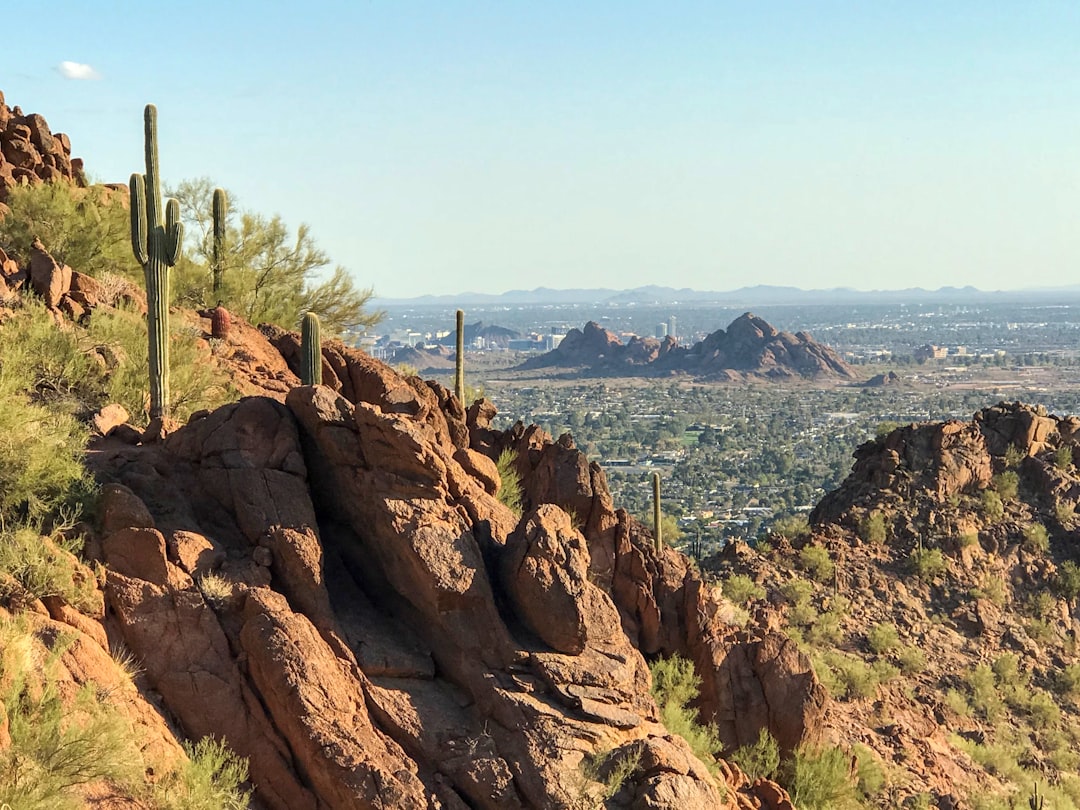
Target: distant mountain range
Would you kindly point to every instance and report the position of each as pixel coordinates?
(759, 295)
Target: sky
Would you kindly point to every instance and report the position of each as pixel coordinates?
(442, 147)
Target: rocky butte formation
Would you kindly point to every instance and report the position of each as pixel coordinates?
(749, 348)
(31, 153)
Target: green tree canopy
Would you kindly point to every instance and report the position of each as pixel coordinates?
(270, 274)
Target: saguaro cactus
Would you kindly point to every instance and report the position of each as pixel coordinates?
(1035, 801)
(218, 259)
(310, 350)
(156, 245)
(459, 377)
(658, 531)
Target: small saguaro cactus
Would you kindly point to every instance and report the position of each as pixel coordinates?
(156, 245)
(310, 350)
(1035, 802)
(218, 244)
(658, 531)
(459, 376)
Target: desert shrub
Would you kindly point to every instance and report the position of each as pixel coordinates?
(1006, 668)
(1064, 512)
(56, 745)
(982, 693)
(927, 563)
(825, 630)
(883, 671)
(990, 504)
(760, 759)
(1063, 457)
(1013, 456)
(41, 471)
(912, 660)
(740, 589)
(1041, 630)
(872, 528)
(883, 637)
(1036, 539)
(792, 527)
(1068, 680)
(1067, 581)
(216, 589)
(509, 493)
(820, 779)
(1041, 604)
(1007, 484)
(957, 702)
(968, 539)
(871, 777)
(45, 567)
(797, 591)
(816, 562)
(1044, 710)
(992, 587)
(211, 779)
(675, 686)
(88, 229)
(853, 677)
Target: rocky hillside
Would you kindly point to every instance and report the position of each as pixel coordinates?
(749, 348)
(936, 592)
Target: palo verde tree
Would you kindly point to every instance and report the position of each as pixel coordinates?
(156, 244)
(273, 274)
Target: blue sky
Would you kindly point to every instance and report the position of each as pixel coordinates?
(439, 147)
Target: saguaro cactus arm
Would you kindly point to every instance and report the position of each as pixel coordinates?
(310, 350)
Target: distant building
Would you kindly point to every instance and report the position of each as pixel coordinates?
(673, 326)
(661, 330)
(931, 352)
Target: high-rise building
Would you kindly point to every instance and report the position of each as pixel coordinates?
(672, 328)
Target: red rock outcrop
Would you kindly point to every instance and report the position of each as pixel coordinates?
(30, 153)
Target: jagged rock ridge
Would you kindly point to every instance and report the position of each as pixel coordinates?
(750, 347)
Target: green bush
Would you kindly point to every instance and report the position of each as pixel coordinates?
(871, 777)
(675, 686)
(1064, 512)
(992, 587)
(912, 660)
(209, 780)
(816, 562)
(797, 591)
(883, 638)
(41, 471)
(1063, 457)
(853, 677)
(820, 779)
(88, 229)
(983, 693)
(45, 567)
(1007, 484)
(872, 528)
(509, 493)
(758, 760)
(1068, 680)
(792, 527)
(1036, 539)
(1013, 456)
(740, 589)
(1067, 582)
(928, 563)
(992, 507)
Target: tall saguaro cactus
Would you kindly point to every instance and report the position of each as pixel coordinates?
(310, 350)
(656, 517)
(218, 258)
(156, 245)
(459, 377)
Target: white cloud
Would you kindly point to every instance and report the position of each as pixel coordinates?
(77, 70)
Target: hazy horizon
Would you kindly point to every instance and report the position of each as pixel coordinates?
(440, 148)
